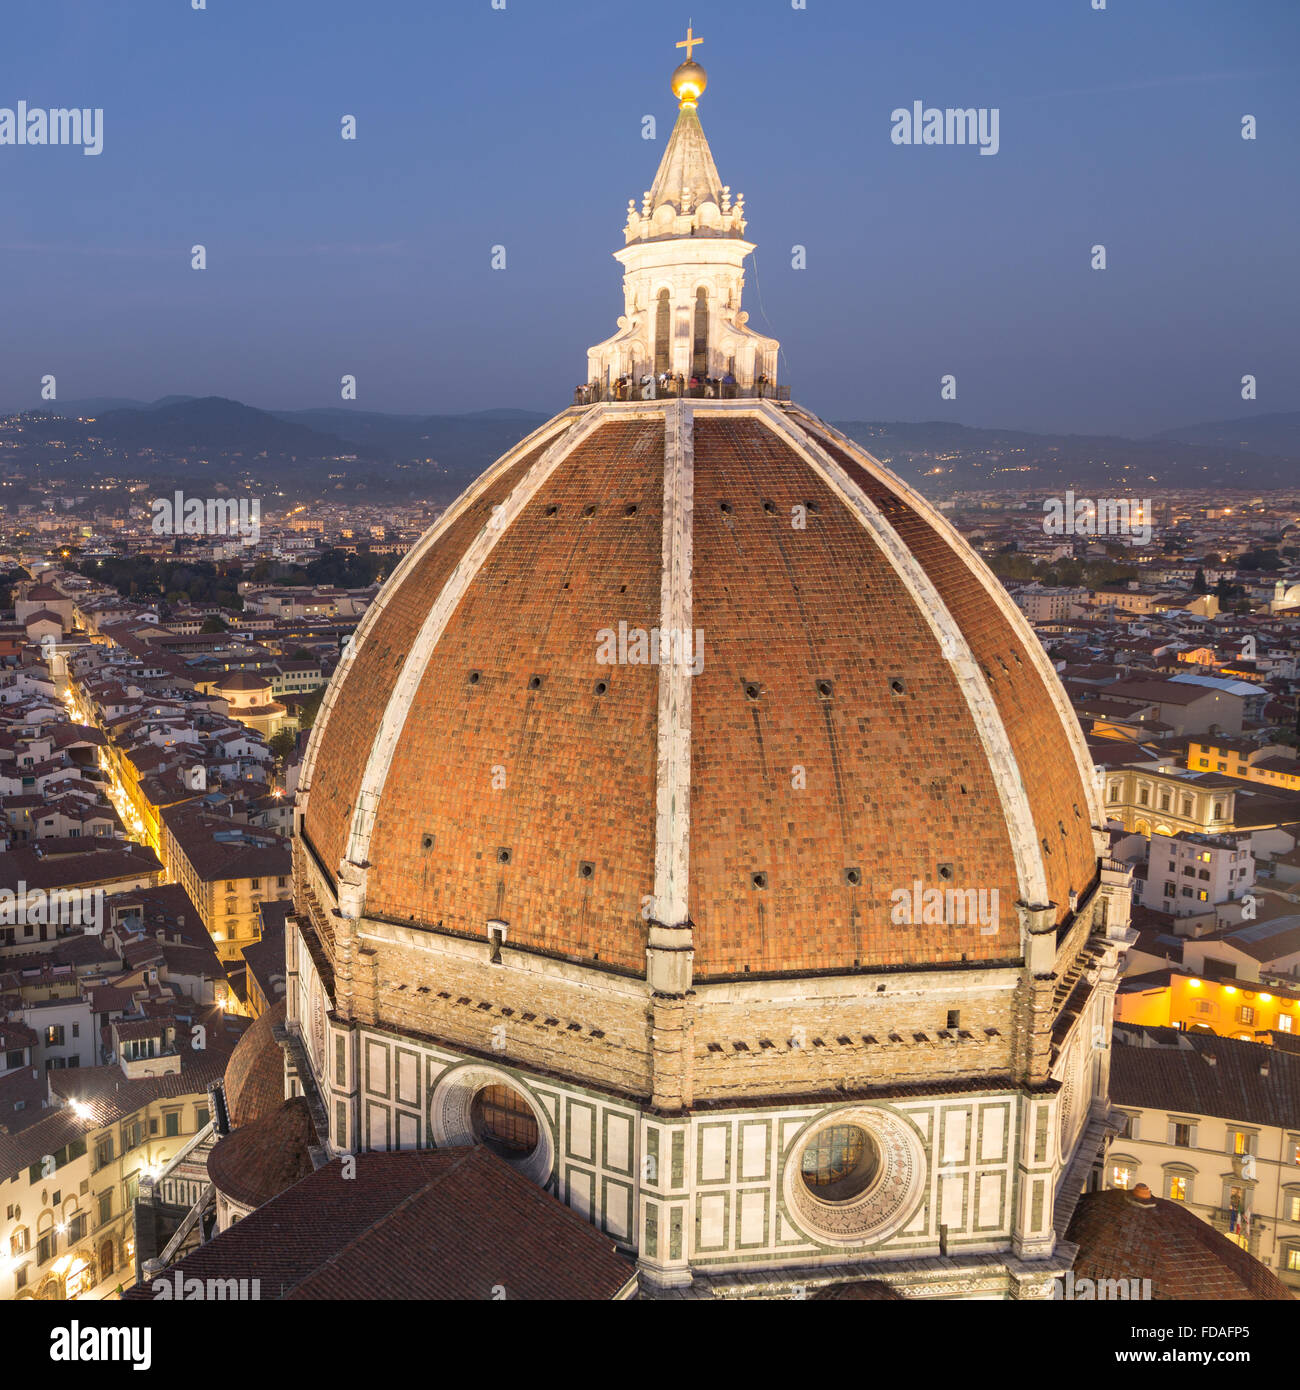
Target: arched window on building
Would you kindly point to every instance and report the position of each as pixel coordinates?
(663, 327)
(700, 350)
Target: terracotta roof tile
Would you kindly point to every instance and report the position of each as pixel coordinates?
(1120, 1237)
(421, 1224)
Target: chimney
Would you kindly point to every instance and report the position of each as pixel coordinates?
(1210, 1059)
(1141, 1197)
(1263, 1067)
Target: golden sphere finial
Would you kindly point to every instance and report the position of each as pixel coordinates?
(690, 79)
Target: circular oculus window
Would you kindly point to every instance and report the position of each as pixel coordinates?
(855, 1176)
(474, 1104)
(503, 1120)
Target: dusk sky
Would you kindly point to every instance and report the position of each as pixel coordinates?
(522, 126)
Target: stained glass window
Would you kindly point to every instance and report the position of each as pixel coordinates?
(839, 1162)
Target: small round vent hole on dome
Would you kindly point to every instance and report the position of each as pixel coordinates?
(769, 508)
(586, 869)
(601, 687)
(759, 880)
(630, 509)
(752, 691)
(534, 682)
(589, 511)
(552, 510)
(825, 689)
(426, 842)
(811, 508)
(853, 877)
(503, 855)
(945, 871)
(475, 677)
(725, 508)
(897, 686)
(962, 785)
(1047, 849)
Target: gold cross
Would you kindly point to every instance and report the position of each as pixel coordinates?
(689, 42)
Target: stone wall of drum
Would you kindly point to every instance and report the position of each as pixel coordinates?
(714, 1188)
(726, 1183)
(415, 1096)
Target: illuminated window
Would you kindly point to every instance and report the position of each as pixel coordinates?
(1284, 1023)
(839, 1162)
(1177, 1188)
(504, 1121)
(1121, 1176)
(1293, 1258)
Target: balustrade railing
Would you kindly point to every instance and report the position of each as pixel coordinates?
(655, 388)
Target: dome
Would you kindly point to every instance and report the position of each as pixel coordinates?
(1133, 1235)
(259, 1160)
(845, 712)
(693, 804)
(860, 1291)
(243, 680)
(255, 1073)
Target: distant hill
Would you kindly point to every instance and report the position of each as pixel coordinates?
(214, 424)
(462, 445)
(436, 456)
(430, 456)
(945, 457)
(1278, 434)
(94, 405)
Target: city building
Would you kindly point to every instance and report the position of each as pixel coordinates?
(1192, 873)
(1229, 1006)
(76, 1145)
(228, 869)
(1213, 1123)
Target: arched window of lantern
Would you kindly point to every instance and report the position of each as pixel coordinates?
(700, 352)
(663, 333)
